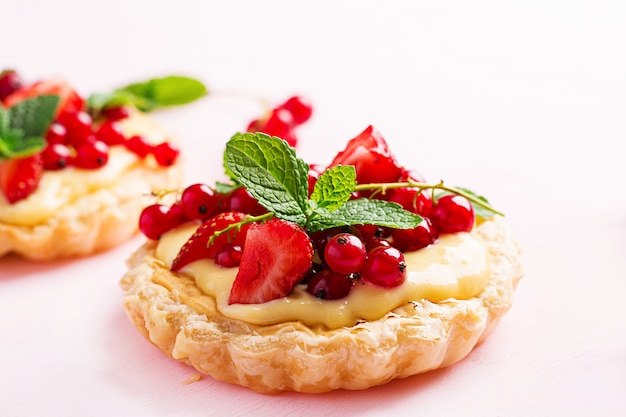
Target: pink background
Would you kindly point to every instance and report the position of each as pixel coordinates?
(523, 103)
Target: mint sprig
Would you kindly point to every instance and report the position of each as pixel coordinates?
(155, 93)
(269, 168)
(23, 126)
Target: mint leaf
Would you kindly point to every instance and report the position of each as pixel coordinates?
(334, 187)
(364, 211)
(173, 90)
(268, 167)
(23, 126)
(34, 115)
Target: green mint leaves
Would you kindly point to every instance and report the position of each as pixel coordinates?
(173, 90)
(23, 126)
(271, 172)
(269, 168)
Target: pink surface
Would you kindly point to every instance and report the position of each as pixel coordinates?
(523, 104)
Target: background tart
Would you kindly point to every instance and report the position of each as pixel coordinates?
(183, 322)
(99, 216)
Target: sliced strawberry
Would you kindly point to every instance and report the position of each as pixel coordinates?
(197, 247)
(276, 257)
(371, 157)
(70, 100)
(19, 177)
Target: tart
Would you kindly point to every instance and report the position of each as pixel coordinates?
(344, 277)
(76, 179)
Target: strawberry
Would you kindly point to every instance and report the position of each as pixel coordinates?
(371, 157)
(70, 101)
(197, 247)
(19, 177)
(277, 255)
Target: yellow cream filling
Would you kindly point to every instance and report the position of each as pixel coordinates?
(454, 267)
(58, 189)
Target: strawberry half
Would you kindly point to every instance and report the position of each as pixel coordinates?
(19, 177)
(371, 158)
(70, 100)
(197, 246)
(276, 257)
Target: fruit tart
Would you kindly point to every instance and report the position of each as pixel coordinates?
(75, 173)
(344, 276)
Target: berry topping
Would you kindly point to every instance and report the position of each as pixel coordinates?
(282, 120)
(413, 239)
(300, 108)
(385, 267)
(91, 155)
(241, 200)
(10, 82)
(20, 176)
(115, 113)
(452, 214)
(204, 243)
(70, 101)
(371, 158)
(165, 154)
(156, 220)
(330, 285)
(277, 255)
(345, 253)
(199, 202)
(138, 145)
(56, 156)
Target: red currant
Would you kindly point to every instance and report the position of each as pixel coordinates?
(241, 200)
(165, 154)
(91, 155)
(115, 113)
(415, 201)
(78, 125)
(56, 156)
(300, 109)
(385, 267)
(330, 285)
(111, 133)
(452, 213)
(10, 82)
(199, 202)
(138, 145)
(413, 239)
(154, 221)
(57, 133)
(375, 242)
(229, 255)
(345, 253)
(176, 215)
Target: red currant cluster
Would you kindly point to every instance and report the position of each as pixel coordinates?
(202, 203)
(73, 139)
(283, 119)
(10, 82)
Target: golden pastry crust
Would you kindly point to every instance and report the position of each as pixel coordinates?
(171, 312)
(98, 220)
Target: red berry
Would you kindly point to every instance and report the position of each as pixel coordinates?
(70, 101)
(198, 247)
(78, 127)
(451, 214)
(56, 156)
(229, 255)
(176, 215)
(19, 177)
(254, 126)
(375, 242)
(385, 267)
(57, 133)
(199, 202)
(345, 253)
(369, 154)
(111, 133)
(413, 200)
(277, 255)
(330, 285)
(10, 82)
(300, 109)
(413, 239)
(115, 113)
(165, 154)
(241, 200)
(138, 145)
(91, 155)
(155, 220)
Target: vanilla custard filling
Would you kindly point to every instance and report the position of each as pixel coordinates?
(58, 189)
(454, 267)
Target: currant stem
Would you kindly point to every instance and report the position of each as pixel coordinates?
(248, 219)
(383, 187)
